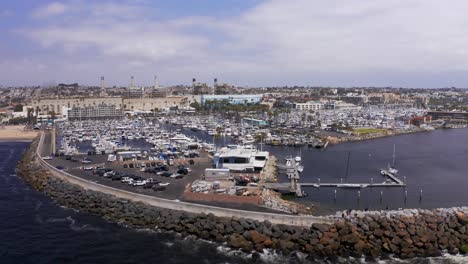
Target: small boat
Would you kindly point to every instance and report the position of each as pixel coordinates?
(351, 185)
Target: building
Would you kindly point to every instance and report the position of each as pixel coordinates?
(56, 105)
(233, 98)
(239, 159)
(136, 92)
(340, 105)
(311, 105)
(144, 104)
(448, 116)
(159, 92)
(200, 88)
(98, 112)
(254, 122)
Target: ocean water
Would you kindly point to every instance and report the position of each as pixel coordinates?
(35, 230)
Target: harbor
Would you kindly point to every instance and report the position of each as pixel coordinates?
(320, 187)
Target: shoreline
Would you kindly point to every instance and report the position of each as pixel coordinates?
(17, 133)
(424, 233)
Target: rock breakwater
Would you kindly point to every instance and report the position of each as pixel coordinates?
(406, 234)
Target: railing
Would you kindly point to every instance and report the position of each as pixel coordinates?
(295, 220)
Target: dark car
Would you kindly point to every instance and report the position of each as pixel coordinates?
(183, 171)
(74, 160)
(158, 188)
(59, 167)
(116, 178)
(166, 174)
(150, 185)
(68, 157)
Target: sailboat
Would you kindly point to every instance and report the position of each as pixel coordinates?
(390, 168)
(298, 160)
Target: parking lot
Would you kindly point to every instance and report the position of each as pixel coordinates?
(174, 190)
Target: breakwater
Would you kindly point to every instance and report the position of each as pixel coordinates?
(402, 233)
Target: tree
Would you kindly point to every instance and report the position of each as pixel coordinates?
(18, 108)
(196, 105)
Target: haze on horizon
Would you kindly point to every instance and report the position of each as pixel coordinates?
(400, 43)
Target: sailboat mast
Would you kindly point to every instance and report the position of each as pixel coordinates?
(347, 166)
(394, 156)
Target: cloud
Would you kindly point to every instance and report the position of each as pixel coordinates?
(290, 41)
(52, 9)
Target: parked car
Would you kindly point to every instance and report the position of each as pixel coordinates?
(165, 174)
(183, 171)
(139, 182)
(47, 158)
(164, 184)
(59, 167)
(149, 185)
(116, 178)
(158, 188)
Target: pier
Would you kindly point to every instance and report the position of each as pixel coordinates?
(294, 186)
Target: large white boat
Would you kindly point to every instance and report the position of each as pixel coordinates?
(240, 159)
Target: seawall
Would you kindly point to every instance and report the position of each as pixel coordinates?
(406, 234)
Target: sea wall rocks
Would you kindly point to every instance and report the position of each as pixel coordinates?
(406, 234)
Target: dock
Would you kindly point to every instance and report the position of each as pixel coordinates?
(287, 186)
(296, 187)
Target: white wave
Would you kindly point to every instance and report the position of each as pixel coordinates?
(73, 226)
(168, 244)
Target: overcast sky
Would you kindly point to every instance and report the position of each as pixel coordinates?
(409, 43)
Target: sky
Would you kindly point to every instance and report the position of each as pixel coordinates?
(398, 43)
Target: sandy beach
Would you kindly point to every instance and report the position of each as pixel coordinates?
(12, 133)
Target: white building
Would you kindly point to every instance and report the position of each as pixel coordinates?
(240, 159)
(311, 105)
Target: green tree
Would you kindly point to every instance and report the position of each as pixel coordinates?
(18, 108)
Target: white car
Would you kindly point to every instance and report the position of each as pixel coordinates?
(47, 158)
(127, 180)
(164, 184)
(88, 168)
(86, 161)
(139, 183)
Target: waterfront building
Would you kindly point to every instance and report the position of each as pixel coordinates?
(98, 112)
(448, 116)
(144, 104)
(233, 98)
(56, 104)
(254, 122)
(340, 105)
(310, 105)
(240, 159)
